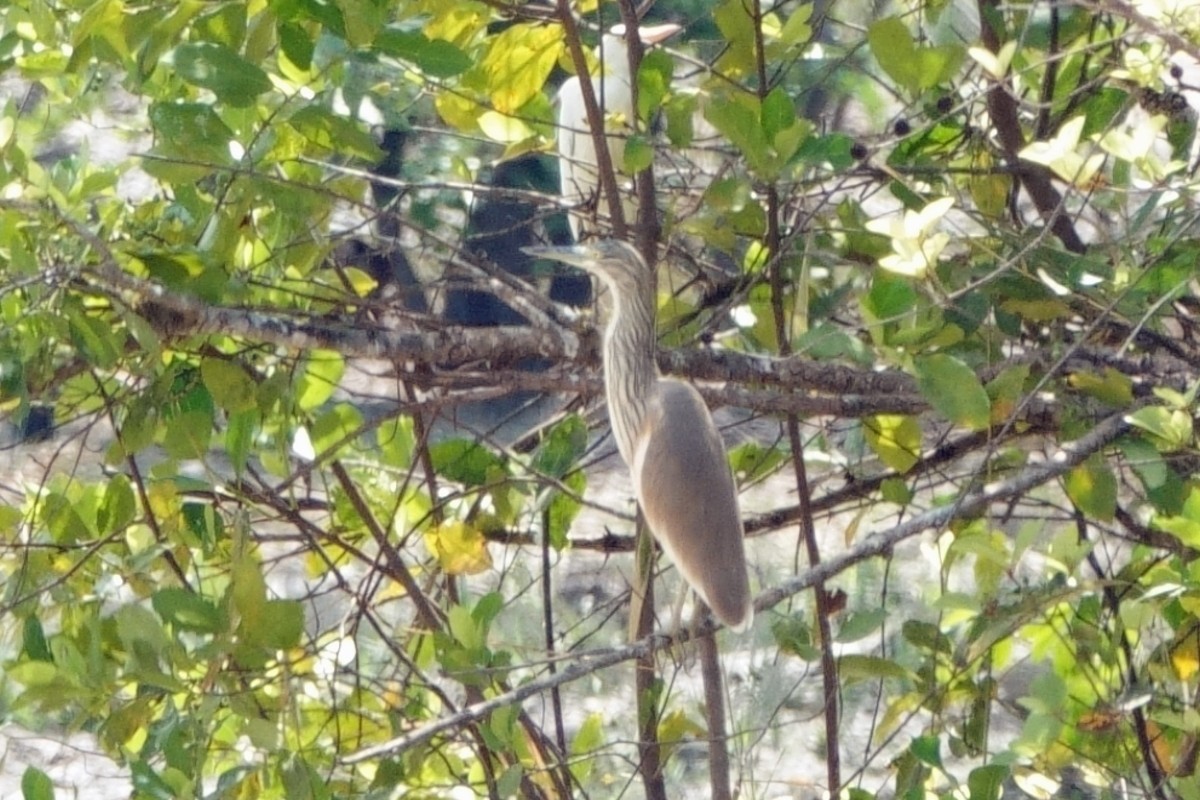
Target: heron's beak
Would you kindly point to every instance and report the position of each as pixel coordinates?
(649, 34)
(653, 34)
(577, 255)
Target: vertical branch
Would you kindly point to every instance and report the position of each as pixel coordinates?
(560, 736)
(646, 228)
(1002, 109)
(714, 711)
(645, 683)
(604, 164)
(774, 242)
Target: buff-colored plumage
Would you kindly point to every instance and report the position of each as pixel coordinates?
(668, 439)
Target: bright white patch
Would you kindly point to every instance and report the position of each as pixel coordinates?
(302, 446)
(744, 317)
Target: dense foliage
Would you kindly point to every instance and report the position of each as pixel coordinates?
(263, 534)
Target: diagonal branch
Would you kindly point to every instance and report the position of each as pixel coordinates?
(1067, 458)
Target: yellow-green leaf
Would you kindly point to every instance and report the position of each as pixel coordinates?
(460, 549)
(229, 384)
(1092, 487)
(518, 62)
(896, 439)
(1112, 388)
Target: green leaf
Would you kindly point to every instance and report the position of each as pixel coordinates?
(894, 490)
(952, 388)
(240, 431)
(1169, 429)
(96, 340)
(281, 624)
(464, 461)
(465, 629)
(36, 785)
(118, 507)
(33, 640)
(913, 67)
(1186, 525)
(854, 668)
(639, 154)
(680, 110)
(396, 441)
(230, 77)
(654, 81)
(319, 379)
(193, 130)
(792, 635)
(334, 428)
(896, 439)
(1092, 487)
(564, 508)
(987, 782)
(301, 781)
(1112, 387)
(588, 740)
(187, 610)
(510, 781)
(437, 58)
(296, 44)
(737, 26)
(335, 133)
(1006, 390)
(778, 113)
(230, 385)
(752, 461)
(561, 447)
(188, 435)
(861, 624)
(459, 547)
(928, 750)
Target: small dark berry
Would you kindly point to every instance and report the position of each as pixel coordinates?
(858, 151)
(944, 104)
(902, 128)
(1176, 71)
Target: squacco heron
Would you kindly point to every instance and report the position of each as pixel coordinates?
(667, 437)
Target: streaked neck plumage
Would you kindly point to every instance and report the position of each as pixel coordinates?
(629, 348)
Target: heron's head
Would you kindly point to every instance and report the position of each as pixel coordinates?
(613, 261)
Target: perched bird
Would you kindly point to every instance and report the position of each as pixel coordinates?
(577, 162)
(667, 437)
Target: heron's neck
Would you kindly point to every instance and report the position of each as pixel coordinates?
(629, 366)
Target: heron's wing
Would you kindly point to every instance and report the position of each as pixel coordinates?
(687, 493)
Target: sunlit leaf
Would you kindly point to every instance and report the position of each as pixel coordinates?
(322, 370)
(896, 439)
(1170, 429)
(460, 548)
(517, 63)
